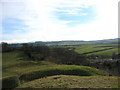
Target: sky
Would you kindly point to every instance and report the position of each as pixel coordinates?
(55, 20)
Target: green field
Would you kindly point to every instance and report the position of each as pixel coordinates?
(106, 52)
(14, 64)
(11, 58)
(23, 71)
(108, 49)
(20, 67)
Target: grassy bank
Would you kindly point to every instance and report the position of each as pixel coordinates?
(68, 81)
(62, 70)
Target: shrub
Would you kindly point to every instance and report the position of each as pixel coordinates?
(10, 82)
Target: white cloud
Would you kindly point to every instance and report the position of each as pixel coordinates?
(84, 14)
(44, 25)
(72, 13)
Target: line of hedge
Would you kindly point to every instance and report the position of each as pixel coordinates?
(10, 82)
(62, 70)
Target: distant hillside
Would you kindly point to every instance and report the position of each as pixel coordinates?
(76, 42)
(72, 42)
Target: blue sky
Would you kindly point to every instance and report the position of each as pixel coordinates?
(53, 20)
(12, 25)
(78, 15)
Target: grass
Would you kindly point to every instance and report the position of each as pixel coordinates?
(90, 48)
(68, 81)
(62, 69)
(14, 64)
(25, 69)
(106, 52)
(11, 58)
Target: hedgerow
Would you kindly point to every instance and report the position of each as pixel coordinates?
(10, 82)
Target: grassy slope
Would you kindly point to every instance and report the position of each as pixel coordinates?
(62, 70)
(68, 81)
(14, 64)
(10, 58)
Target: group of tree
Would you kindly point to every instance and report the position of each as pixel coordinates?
(65, 56)
(35, 52)
(6, 47)
(53, 54)
(109, 66)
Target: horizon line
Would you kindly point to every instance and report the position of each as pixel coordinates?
(57, 41)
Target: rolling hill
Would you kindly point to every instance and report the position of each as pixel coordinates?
(70, 42)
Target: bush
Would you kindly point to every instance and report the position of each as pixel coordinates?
(10, 82)
(61, 70)
(35, 52)
(6, 47)
(69, 57)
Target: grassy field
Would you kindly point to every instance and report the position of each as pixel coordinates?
(12, 58)
(68, 81)
(14, 64)
(91, 48)
(106, 52)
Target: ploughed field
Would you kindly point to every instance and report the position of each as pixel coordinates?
(20, 72)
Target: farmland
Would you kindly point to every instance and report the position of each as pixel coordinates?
(67, 68)
(104, 49)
